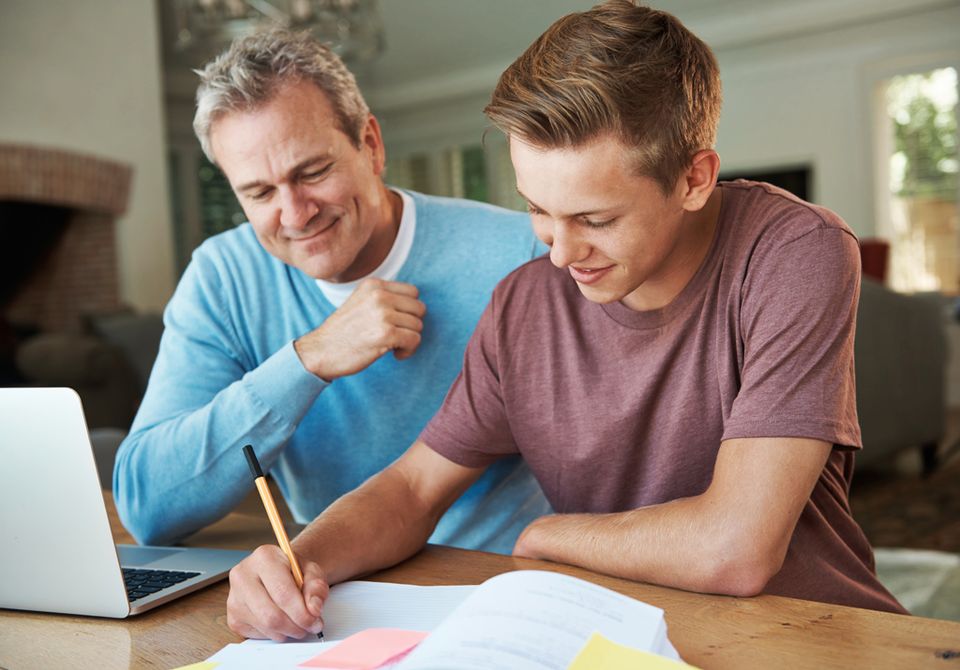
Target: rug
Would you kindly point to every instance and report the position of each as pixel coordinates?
(926, 582)
(914, 524)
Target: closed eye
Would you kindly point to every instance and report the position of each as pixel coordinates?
(534, 211)
(314, 175)
(593, 223)
(260, 196)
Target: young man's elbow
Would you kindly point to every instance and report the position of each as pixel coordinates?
(742, 574)
(743, 582)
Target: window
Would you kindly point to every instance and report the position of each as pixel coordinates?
(919, 208)
(202, 202)
(219, 209)
(475, 172)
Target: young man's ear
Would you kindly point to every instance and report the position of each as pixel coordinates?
(699, 179)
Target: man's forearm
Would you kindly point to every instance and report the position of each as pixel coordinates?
(376, 526)
(175, 472)
(682, 544)
(730, 539)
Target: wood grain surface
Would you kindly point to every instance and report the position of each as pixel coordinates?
(708, 631)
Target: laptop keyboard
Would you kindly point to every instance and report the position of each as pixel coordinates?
(142, 582)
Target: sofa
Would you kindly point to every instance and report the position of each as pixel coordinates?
(107, 363)
(901, 360)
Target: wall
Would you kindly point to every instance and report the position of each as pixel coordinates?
(811, 99)
(797, 99)
(85, 76)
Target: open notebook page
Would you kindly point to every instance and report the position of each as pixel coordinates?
(356, 606)
(351, 608)
(532, 620)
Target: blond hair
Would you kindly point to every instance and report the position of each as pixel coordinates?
(617, 68)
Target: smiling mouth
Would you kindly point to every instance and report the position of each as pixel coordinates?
(318, 232)
(588, 275)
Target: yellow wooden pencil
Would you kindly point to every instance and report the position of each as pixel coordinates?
(274, 516)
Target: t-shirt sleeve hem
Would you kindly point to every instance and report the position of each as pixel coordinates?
(435, 438)
(840, 434)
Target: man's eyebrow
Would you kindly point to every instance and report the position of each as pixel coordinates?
(299, 167)
(569, 216)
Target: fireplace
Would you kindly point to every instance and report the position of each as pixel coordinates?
(58, 261)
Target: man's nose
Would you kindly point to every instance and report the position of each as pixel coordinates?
(566, 247)
(296, 209)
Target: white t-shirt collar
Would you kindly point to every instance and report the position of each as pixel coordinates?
(389, 269)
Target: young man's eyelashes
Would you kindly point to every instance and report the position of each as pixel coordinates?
(592, 223)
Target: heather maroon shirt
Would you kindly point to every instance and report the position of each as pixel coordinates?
(615, 409)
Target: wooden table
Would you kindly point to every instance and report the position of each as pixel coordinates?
(708, 631)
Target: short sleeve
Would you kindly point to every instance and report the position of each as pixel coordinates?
(471, 428)
(797, 320)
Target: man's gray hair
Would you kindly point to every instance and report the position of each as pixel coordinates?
(248, 74)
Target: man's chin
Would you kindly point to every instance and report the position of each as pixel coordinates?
(319, 268)
(598, 295)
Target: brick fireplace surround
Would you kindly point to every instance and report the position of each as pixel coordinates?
(80, 275)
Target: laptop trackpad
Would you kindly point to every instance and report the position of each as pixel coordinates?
(135, 557)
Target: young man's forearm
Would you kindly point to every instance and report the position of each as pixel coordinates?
(678, 544)
(373, 527)
(730, 539)
(387, 519)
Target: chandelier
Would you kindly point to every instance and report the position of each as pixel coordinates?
(351, 28)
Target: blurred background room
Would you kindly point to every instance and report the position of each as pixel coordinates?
(851, 104)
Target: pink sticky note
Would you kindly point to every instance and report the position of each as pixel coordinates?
(367, 649)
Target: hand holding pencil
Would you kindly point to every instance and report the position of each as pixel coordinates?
(263, 602)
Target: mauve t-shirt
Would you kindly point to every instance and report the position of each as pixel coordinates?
(615, 409)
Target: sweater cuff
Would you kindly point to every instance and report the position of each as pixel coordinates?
(284, 385)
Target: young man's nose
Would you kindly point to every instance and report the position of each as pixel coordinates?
(296, 210)
(565, 248)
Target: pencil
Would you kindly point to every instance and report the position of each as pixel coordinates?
(274, 516)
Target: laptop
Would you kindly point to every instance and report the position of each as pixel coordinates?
(58, 553)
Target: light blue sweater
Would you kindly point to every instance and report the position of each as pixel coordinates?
(227, 375)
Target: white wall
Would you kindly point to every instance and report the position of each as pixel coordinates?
(804, 99)
(810, 99)
(85, 76)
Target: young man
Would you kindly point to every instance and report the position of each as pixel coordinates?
(678, 374)
(278, 332)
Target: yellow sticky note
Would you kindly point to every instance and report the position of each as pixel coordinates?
(599, 652)
(203, 665)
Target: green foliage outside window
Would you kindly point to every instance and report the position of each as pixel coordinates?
(923, 110)
(475, 174)
(219, 209)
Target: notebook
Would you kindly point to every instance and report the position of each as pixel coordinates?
(58, 552)
(521, 620)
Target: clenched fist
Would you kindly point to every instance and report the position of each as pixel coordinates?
(378, 317)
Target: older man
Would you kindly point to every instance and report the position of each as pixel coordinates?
(279, 331)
